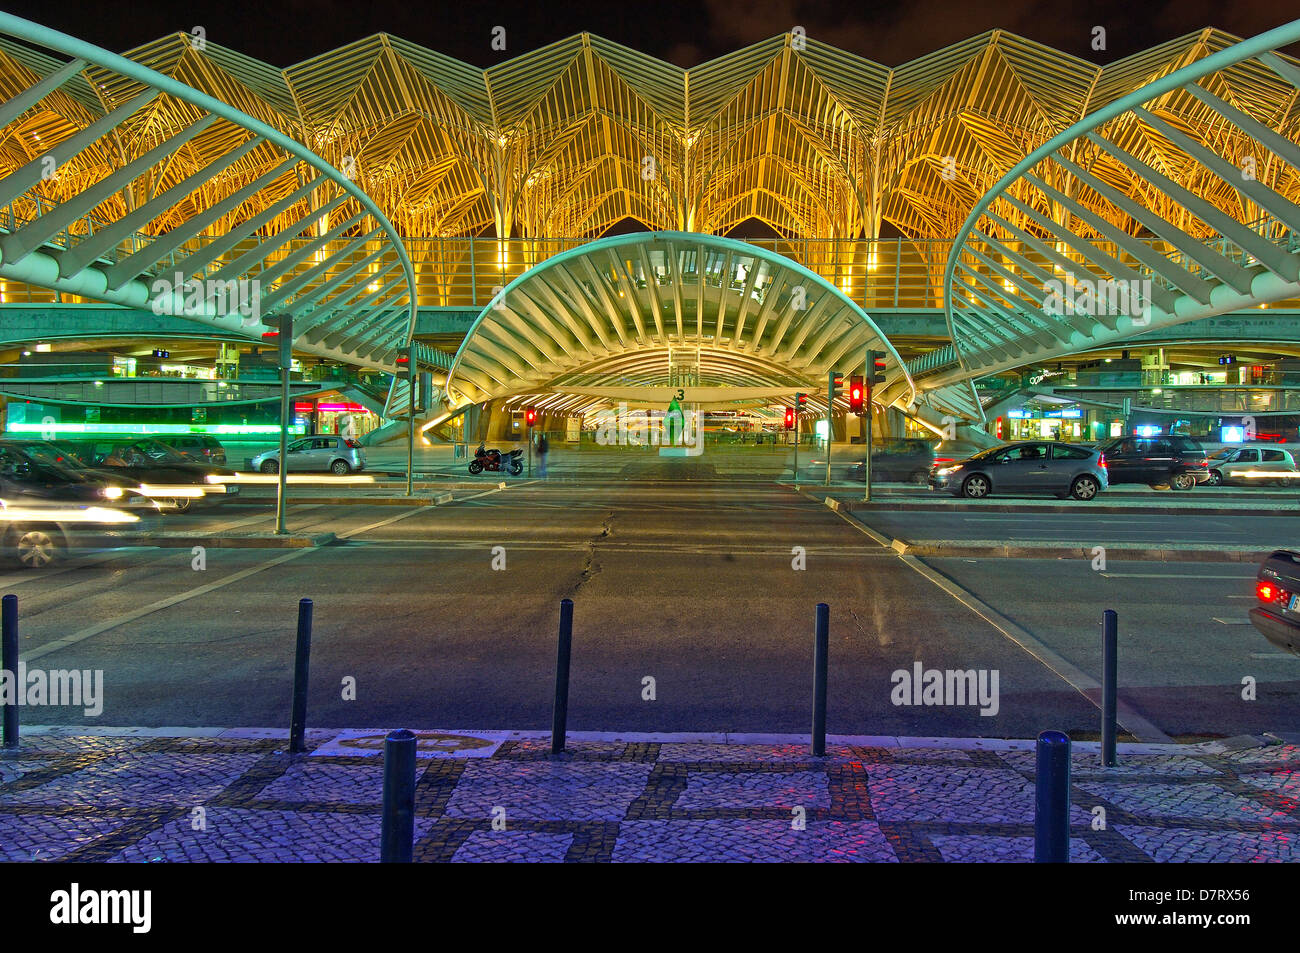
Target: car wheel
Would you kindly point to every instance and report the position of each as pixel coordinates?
(475, 467)
(1084, 488)
(183, 504)
(270, 466)
(340, 468)
(1216, 478)
(976, 487)
(36, 547)
(1182, 481)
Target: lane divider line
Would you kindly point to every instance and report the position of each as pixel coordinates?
(1083, 683)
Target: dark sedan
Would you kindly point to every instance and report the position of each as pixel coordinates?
(1277, 587)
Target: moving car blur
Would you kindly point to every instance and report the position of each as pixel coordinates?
(157, 470)
(1252, 466)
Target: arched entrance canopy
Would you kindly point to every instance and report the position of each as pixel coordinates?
(666, 310)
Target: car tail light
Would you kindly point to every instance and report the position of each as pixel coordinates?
(1101, 461)
(1271, 593)
(353, 444)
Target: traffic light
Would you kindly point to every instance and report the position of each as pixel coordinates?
(875, 368)
(530, 416)
(855, 394)
(1227, 359)
(835, 385)
(800, 402)
(789, 418)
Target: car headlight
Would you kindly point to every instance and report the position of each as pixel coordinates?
(946, 470)
(111, 492)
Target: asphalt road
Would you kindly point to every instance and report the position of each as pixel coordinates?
(1263, 530)
(692, 585)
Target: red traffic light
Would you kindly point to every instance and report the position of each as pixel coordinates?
(530, 416)
(856, 401)
(789, 418)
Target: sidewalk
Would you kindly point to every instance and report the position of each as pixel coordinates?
(149, 795)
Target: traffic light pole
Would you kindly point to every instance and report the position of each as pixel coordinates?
(410, 420)
(796, 442)
(866, 439)
(830, 422)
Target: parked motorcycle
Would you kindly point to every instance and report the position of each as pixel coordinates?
(495, 461)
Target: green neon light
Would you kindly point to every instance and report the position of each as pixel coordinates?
(148, 429)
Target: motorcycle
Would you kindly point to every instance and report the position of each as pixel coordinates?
(495, 461)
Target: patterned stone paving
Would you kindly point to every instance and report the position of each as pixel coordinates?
(246, 799)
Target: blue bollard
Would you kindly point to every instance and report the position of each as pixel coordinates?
(397, 830)
(821, 646)
(9, 663)
(1109, 687)
(1052, 793)
(560, 710)
(301, 665)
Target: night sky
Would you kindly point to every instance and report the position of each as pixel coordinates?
(285, 32)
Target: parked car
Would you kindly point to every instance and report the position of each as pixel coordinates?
(897, 461)
(1174, 460)
(196, 446)
(1026, 467)
(1252, 466)
(154, 467)
(323, 452)
(1277, 587)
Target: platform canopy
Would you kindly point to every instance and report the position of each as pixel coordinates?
(646, 315)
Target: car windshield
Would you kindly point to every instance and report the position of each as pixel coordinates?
(1220, 454)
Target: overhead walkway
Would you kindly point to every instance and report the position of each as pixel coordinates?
(1056, 259)
(112, 203)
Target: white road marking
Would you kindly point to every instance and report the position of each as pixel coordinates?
(1271, 655)
(1232, 621)
(1083, 683)
(1170, 575)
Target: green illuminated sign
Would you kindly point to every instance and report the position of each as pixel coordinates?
(146, 429)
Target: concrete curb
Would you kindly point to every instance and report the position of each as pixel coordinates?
(1241, 742)
(1074, 551)
(188, 540)
(1245, 509)
(351, 500)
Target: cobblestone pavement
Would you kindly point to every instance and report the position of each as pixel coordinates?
(240, 796)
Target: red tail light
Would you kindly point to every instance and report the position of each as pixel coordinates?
(1101, 461)
(1266, 591)
(352, 443)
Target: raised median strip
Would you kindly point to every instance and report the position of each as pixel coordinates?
(225, 540)
(297, 498)
(1127, 507)
(1169, 553)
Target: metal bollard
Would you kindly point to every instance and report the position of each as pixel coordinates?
(1109, 687)
(821, 646)
(9, 663)
(301, 665)
(560, 711)
(1052, 794)
(397, 831)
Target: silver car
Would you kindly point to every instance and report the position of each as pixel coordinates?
(1253, 466)
(1047, 466)
(337, 455)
